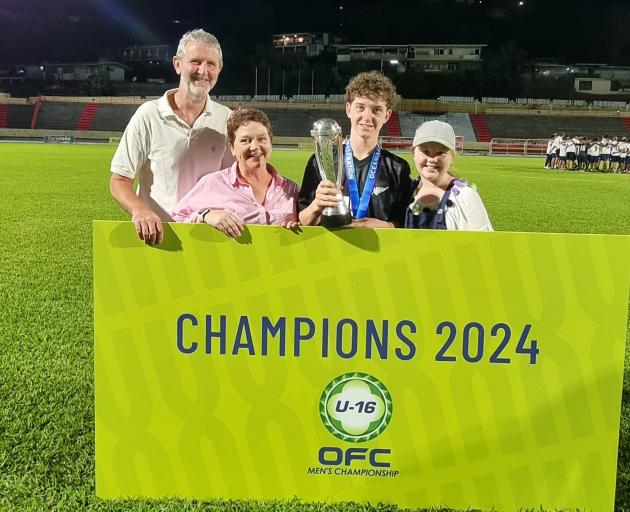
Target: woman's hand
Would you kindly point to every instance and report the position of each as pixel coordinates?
(226, 222)
(290, 224)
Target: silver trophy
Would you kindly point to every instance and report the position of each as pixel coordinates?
(327, 138)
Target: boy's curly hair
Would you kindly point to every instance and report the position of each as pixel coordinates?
(372, 85)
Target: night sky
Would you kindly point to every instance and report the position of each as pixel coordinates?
(68, 30)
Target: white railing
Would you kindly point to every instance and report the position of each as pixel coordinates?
(492, 99)
(233, 97)
(609, 104)
(456, 99)
(308, 97)
(532, 101)
(266, 97)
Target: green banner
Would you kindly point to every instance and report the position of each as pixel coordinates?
(420, 368)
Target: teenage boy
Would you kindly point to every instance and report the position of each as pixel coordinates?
(594, 151)
(550, 152)
(604, 155)
(623, 154)
(377, 186)
(614, 154)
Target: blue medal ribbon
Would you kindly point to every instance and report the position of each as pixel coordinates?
(359, 206)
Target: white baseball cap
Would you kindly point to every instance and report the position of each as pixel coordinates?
(435, 131)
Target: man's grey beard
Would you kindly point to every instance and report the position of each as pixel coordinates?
(196, 94)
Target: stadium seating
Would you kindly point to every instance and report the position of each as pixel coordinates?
(299, 122)
(20, 116)
(113, 118)
(461, 125)
(4, 111)
(87, 116)
(409, 121)
(542, 127)
(59, 116)
(110, 117)
(392, 127)
(480, 125)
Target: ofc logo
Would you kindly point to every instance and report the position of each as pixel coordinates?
(355, 407)
(333, 456)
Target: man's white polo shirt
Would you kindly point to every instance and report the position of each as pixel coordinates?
(167, 156)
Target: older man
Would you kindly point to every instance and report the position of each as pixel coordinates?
(173, 141)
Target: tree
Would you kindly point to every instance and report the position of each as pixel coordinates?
(97, 84)
(503, 71)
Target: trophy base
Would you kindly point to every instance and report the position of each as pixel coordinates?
(336, 220)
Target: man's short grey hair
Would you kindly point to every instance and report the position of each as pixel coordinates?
(200, 36)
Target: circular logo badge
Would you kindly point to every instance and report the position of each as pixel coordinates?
(356, 407)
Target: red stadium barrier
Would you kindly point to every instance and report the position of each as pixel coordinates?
(522, 147)
(38, 106)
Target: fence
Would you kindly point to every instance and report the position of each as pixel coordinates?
(523, 147)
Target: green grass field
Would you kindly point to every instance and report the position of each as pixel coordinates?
(51, 194)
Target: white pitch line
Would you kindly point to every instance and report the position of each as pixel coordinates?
(550, 178)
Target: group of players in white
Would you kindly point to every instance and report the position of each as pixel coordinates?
(605, 154)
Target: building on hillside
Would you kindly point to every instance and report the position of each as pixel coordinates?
(305, 43)
(385, 54)
(601, 86)
(426, 57)
(445, 57)
(149, 54)
(148, 63)
(542, 69)
(12, 74)
(75, 71)
(586, 77)
(555, 70)
(435, 58)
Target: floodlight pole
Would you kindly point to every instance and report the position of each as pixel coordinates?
(283, 75)
(256, 81)
(299, 80)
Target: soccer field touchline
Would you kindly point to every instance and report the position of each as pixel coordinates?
(557, 177)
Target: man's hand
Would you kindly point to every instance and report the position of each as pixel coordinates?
(148, 225)
(326, 195)
(226, 222)
(369, 222)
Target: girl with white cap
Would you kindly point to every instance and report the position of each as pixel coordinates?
(441, 200)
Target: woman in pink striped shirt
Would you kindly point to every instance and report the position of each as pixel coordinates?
(251, 191)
